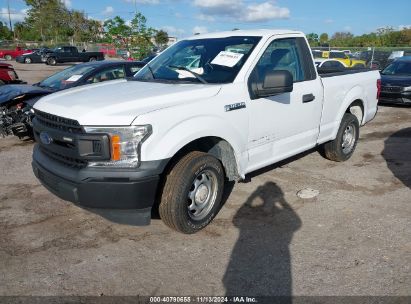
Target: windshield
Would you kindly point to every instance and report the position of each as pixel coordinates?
(66, 77)
(398, 68)
(211, 60)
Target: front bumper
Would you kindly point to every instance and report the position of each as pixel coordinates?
(119, 195)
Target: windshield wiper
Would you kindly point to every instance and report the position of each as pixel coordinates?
(178, 67)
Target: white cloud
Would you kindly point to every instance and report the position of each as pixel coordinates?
(347, 28)
(109, 10)
(15, 16)
(239, 10)
(328, 21)
(200, 30)
(67, 3)
(204, 17)
(171, 30)
(403, 27)
(265, 11)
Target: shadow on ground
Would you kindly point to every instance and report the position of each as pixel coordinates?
(397, 154)
(260, 261)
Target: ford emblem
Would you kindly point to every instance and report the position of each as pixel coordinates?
(45, 138)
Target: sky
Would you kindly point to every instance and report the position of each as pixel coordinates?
(182, 18)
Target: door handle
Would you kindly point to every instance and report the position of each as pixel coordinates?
(308, 98)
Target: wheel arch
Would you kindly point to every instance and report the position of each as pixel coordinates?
(215, 146)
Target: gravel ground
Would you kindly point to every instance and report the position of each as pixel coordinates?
(354, 238)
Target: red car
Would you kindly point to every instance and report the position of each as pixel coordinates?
(8, 74)
(10, 54)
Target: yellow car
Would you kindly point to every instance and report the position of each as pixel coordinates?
(344, 58)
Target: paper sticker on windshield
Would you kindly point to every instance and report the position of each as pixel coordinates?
(228, 59)
(74, 78)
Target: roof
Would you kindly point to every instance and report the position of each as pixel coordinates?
(404, 58)
(259, 33)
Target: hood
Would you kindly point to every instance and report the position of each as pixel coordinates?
(8, 92)
(396, 80)
(119, 102)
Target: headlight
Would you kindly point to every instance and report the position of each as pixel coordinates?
(407, 89)
(125, 143)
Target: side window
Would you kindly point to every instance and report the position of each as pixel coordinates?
(134, 69)
(282, 54)
(328, 64)
(107, 74)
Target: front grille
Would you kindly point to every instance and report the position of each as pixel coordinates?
(65, 160)
(58, 123)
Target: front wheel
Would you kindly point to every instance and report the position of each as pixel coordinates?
(51, 61)
(343, 146)
(92, 59)
(8, 57)
(192, 193)
(27, 60)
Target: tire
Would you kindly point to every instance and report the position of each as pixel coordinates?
(343, 146)
(51, 61)
(27, 60)
(1, 82)
(192, 193)
(8, 57)
(92, 59)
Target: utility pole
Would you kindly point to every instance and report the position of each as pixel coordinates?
(8, 8)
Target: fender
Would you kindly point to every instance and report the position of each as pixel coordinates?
(166, 144)
(355, 93)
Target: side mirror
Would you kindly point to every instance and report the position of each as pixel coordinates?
(274, 82)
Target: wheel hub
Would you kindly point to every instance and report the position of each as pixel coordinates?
(202, 195)
(348, 139)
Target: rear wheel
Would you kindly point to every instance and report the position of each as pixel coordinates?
(359, 66)
(192, 193)
(92, 59)
(343, 146)
(51, 61)
(8, 57)
(27, 60)
(1, 82)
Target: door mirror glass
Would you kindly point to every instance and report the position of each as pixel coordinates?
(275, 82)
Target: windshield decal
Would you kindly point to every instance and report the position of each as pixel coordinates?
(74, 78)
(228, 59)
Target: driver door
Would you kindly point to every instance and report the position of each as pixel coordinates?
(285, 124)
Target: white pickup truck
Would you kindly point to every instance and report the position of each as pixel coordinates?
(208, 109)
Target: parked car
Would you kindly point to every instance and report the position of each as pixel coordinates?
(396, 82)
(329, 65)
(16, 101)
(71, 54)
(174, 135)
(36, 56)
(343, 57)
(374, 60)
(10, 54)
(8, 74)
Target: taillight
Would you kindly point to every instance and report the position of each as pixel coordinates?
(378, 88)
(12, 75)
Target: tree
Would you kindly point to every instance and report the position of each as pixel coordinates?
(5, 33)
(161, 38)
(135, 37)
(312, 39)
(323, 38)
